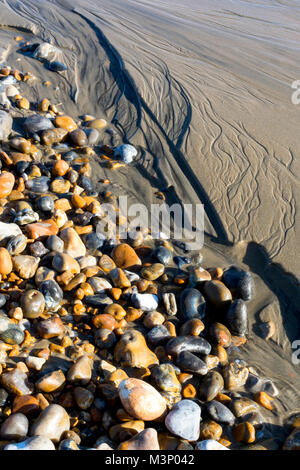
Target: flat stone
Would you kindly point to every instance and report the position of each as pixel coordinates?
(36, 123)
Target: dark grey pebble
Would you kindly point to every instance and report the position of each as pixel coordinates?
(188, 362)
(52, 292)
(162, 255)
(239, 282)
(192, 303)
(194, 344)
(219, 412)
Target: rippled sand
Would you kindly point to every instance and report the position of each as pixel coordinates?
(203, 89)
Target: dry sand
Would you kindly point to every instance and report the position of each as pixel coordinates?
(203, 89)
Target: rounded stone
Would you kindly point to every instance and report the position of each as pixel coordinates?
(14, 427)
(65, 122)
(125, 153)
(153, 272)
(81, 371)
(78, 138)
(63, 262)
(192, 303)
(211, 430)
(125, 257)
(12, 335)
(32, 303)
(240, 282)
(52, 293)
(162, 255)
(210, 386)
(50, 328)
(217, 293)
(220, 335)
(5, 262)
(184, 420)
(51, 382)
(219, 412)
(237, 318)
(145, 302)
(165, 378)
(36, 123)
(46, 204)
(189, 362)
(51, 423)
(7, 181)
(144, 440)
(193, 344)
(141, 400)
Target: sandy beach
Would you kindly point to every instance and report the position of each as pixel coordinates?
(203, 89)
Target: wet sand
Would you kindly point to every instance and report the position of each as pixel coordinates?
(203, 89)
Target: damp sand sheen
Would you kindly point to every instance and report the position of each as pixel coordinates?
(203, 91)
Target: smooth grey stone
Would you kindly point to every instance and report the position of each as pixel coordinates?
(52, 292)
(38, 185)
(188, 362)
(210, 386)
(54, 243)
(193, 304)
(92, 136)
(184, 420)
(14, 427)
(193, 344)
(158, 335)
(4, 322)
(125, 152)
(5, 125)
(98, 300)
(145, 302)
(240, 282)
(237, 318)
(219, 412)
(36, 123)
(12, 335)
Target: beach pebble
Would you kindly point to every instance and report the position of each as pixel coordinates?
(14, 427)
(9, 230)
(240, 282)
(5, 262)
(165, 378)
(36, 123)
(170, 303)
(38, 185)
(125, 153)
(15, 381)
(5, 125)
(132, 350)
(52, 293)
(141, 400)
(235, 376)
(144, 440)
(65, 122)
(13, 335)
(192, 304)
(162, 255)
(81, 371)
(33, 443)
(44, 50)
(50, 328)
(51, 382)
(7, 181)
(51, 423)
(25, 265)
(145, 302)
(78, 138)
(92, 136)
(26, 404)
(153, 272)
(32, 303)
(217, 293)
(210, 386)
(192, 344)
(189, 362)
(219, 412)
(125, 257)
(73, 245)
(210, 444)
(184, 420)
(35, 363)
(237, 317)
(83, 397)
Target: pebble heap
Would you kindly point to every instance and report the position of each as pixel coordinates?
(104, 344)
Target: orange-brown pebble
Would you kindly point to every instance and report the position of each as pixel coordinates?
(23, 103)
(116, 311)
(264, 400)
(42, 229)
(78, 202)
(216, 273)
(26, 404)
(66, 122)
(60, 168)
(133, 314)
(103, 320)
(5, 262)
(125, 257)
(189, 391)
(244, 432)
(7, 181)
(222, 398)
(211, 430)
(116, 293)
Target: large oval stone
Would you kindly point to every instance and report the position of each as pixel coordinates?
(184, 420)
(141, 400)
(51, 423)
